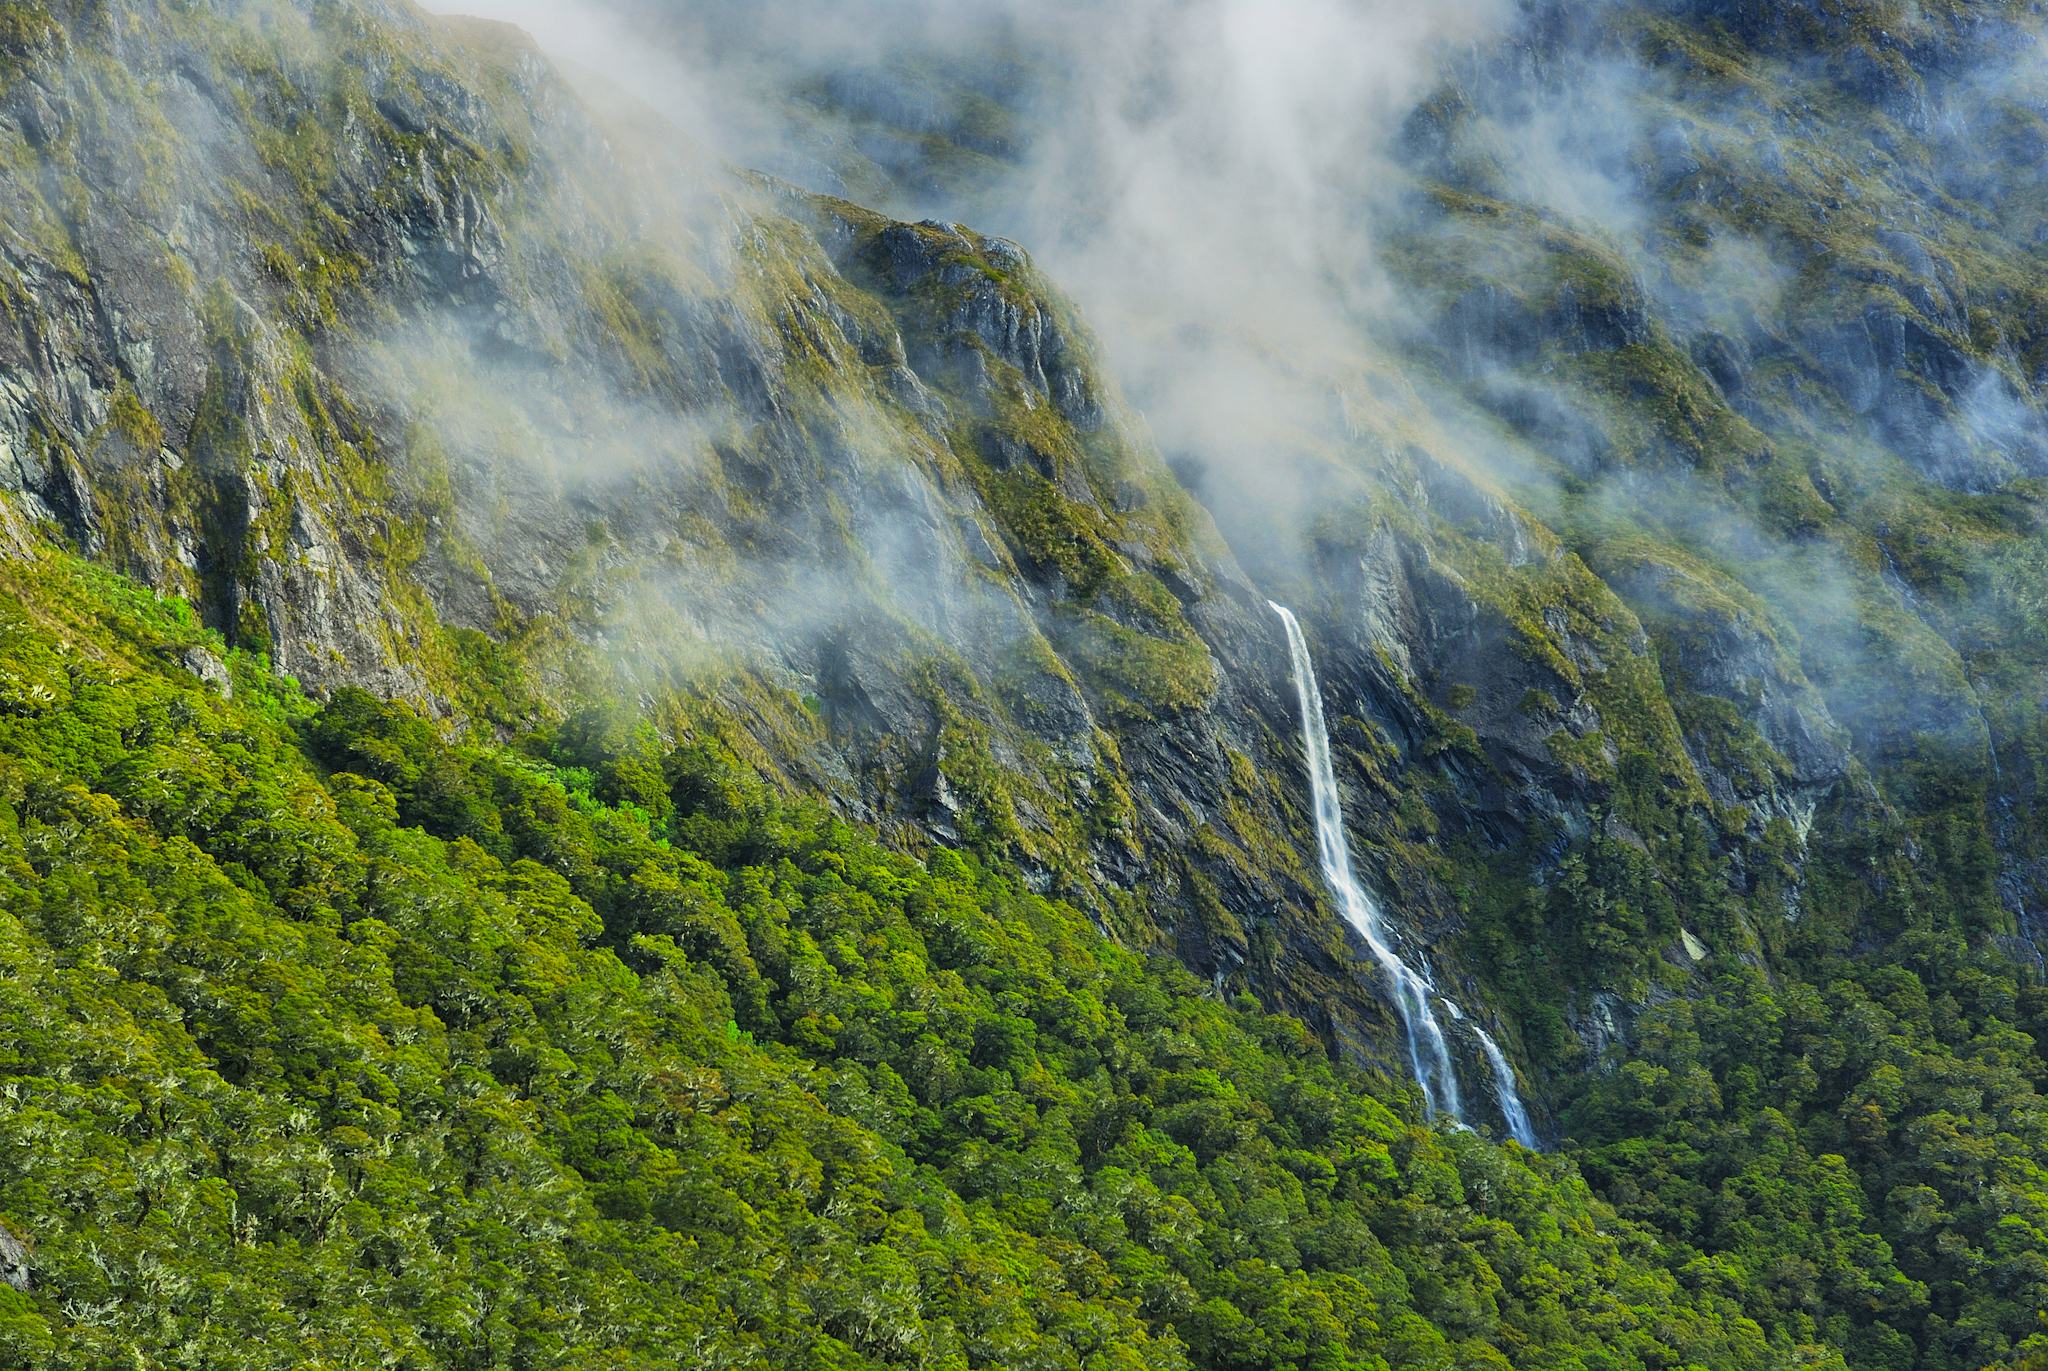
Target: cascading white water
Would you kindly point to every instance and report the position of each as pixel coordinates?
(1512, 1114)
(1506, 1098)
(1429, 1053)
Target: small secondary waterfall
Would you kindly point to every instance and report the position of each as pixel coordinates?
(1429, 1051)
(1511, 1112)
(1506, 1098)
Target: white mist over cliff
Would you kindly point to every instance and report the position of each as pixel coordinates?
(1201, 176)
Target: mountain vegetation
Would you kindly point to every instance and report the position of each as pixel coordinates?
(336, 1043)
(608, 761)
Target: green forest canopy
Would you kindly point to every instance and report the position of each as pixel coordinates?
(327, 1039)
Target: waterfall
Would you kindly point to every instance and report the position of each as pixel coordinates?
(1429, 1053)
(1512, 1114)
(1506, 1098)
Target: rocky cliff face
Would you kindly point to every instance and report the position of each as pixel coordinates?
(334, 319)
(14, 1267)
(328, 321)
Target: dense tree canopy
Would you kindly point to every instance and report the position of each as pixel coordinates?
(328, 1041)
(327, 1038)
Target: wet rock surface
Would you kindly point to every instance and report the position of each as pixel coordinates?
(863, 490)
(14, 1262)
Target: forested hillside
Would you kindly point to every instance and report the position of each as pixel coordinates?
(884, 683)
(332, 1043)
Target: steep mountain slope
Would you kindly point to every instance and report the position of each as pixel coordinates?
(1659, 487)
(333, 1044)
(855, 493)
(1739, 303)
(333, 321)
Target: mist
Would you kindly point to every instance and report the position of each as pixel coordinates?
(1248, 209)
(1201, 179)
